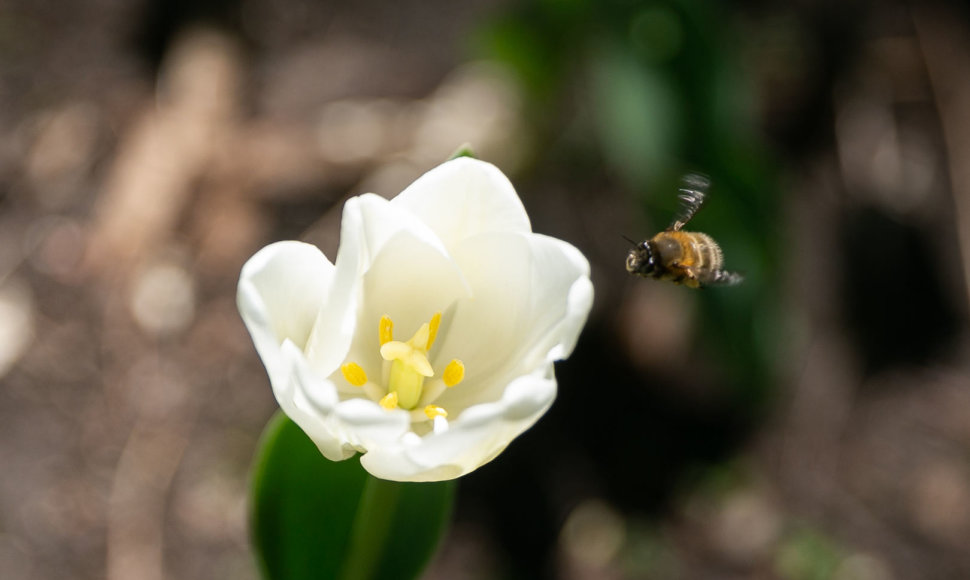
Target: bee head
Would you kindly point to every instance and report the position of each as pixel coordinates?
(640, 260)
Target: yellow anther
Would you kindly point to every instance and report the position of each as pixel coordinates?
(433, 329)
(433, 411)
(389, 401)
(385, 330)
(354, 374)
(454, 373)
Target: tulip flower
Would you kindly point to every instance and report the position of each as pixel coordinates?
(428, 345)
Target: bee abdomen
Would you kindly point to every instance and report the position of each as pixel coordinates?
(703, 250)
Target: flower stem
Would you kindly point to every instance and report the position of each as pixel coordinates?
(369, 533)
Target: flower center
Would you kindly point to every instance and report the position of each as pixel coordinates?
(409, 363)
(408, 378)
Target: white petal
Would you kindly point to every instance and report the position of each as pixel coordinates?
(409, 281)
(382, 220)
(530, 296)
(337, 428)
(566, 332)
(368, 425)
(393, 465)
(487, 328)
(562, 298)
(370, 226)
(310, 404)
(464, 197)
(335, 323)
(475, 438)
(281, 289)
(529, 396)
(319, 394)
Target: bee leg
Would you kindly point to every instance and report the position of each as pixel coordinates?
(687, 276)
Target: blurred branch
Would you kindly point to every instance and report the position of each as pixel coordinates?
(151, 181)
(945, 43)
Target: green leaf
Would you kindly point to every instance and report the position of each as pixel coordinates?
(636, 114)
(312, 518)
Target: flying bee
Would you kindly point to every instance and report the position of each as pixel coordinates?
(690, 258)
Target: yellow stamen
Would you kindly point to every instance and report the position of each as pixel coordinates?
(409, 367)
(454, 373)
(433, 411)
(409, 364)
(385, 330)
(389, 401)
(433, 329)
(354, 374)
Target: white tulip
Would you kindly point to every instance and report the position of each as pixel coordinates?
(430, 344)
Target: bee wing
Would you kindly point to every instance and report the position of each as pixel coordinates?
(693, 190)
(719, 278)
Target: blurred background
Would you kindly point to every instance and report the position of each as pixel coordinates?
(810, 424)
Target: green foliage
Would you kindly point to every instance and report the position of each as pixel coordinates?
(807, 555)
(317, 519)
(637, 115)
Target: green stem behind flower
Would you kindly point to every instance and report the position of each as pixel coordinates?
(370, 531)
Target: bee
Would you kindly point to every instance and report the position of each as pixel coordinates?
(690, 258)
